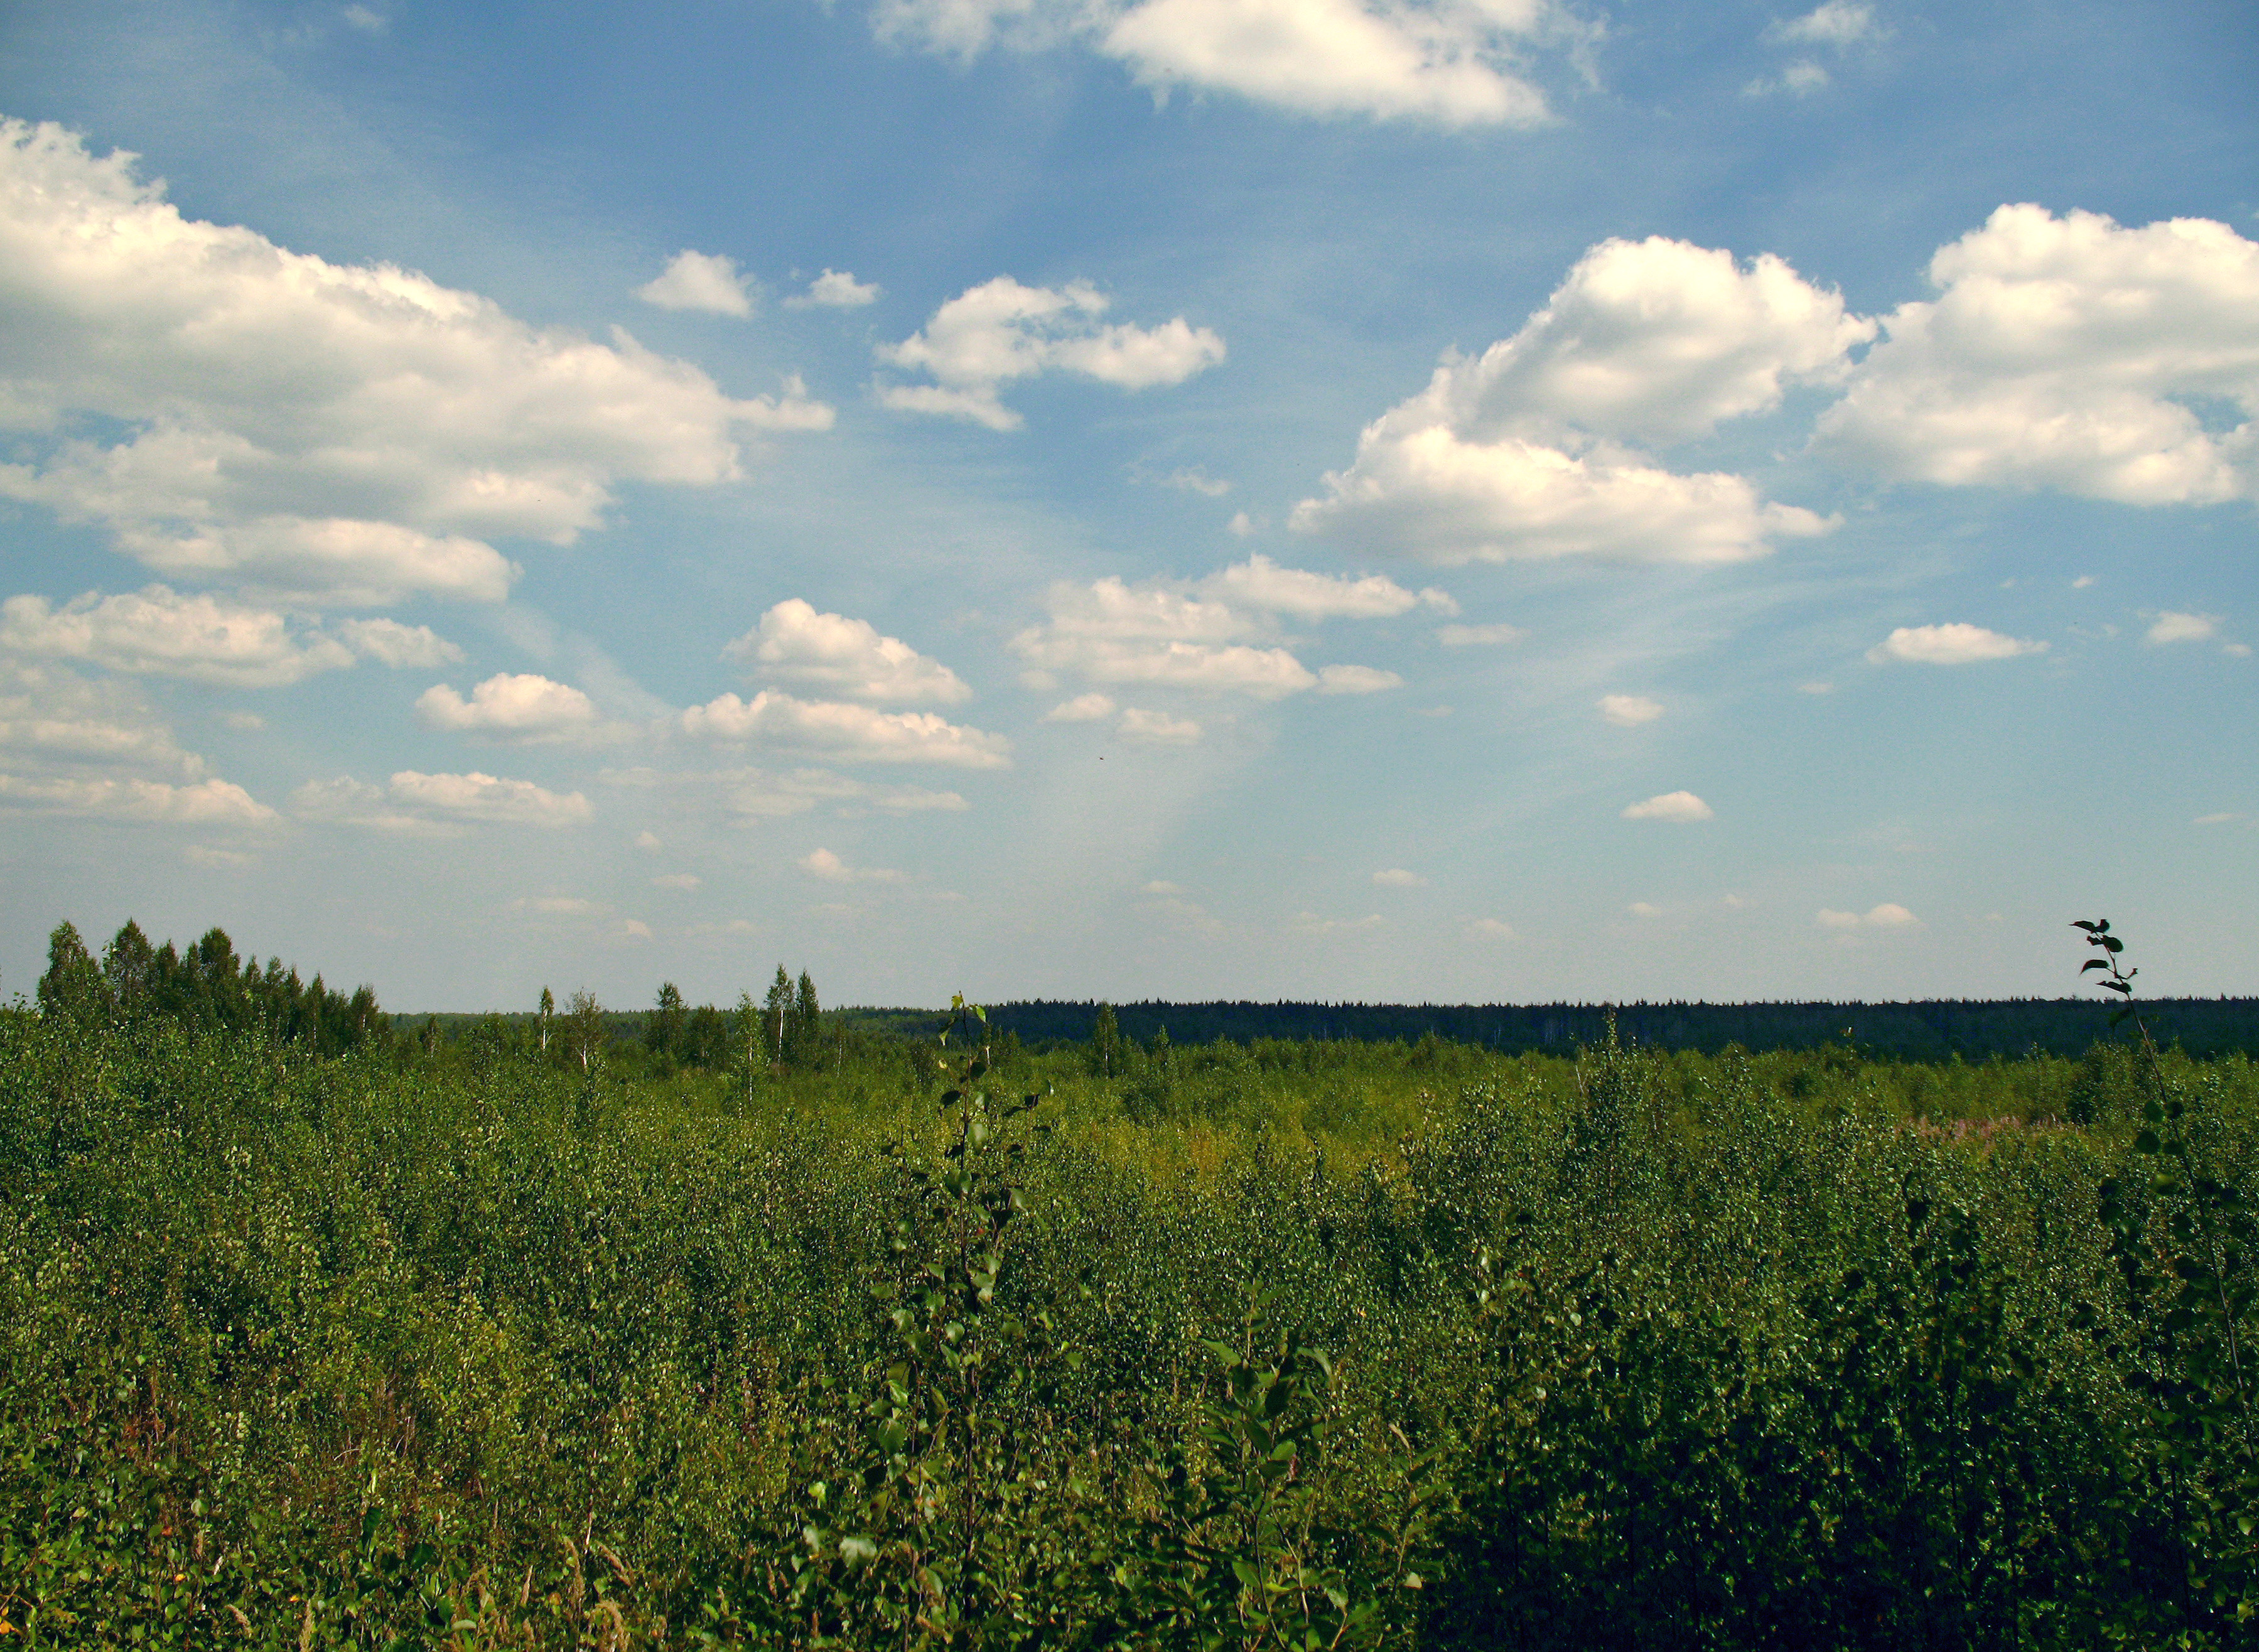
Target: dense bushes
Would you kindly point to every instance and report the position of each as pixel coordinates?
(1232, 1346)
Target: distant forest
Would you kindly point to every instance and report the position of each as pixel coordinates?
(207, 985)
(1930, 1030)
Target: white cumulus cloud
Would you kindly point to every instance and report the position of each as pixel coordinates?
(1837, 22)
(1888, 915)
(1156, 728)
(347, 434)
(1452, 63)
(835, 289)
(1356, 680)
(1957, 644)
(53, 720)
(1261, 584)
(1681, 806)
(146, 803)
(1526, 452)
(206, 638)
(1628, 711)
(2069, 353)
(2170, 627)
(1159, 634)
(821, 863)
(845, 732)
(1398, 878)
(1089, 707)
(511, 706)
(999, 332)
(794, 641)
(415, 802)
(699, 280)
(403, 647)
(1478, 636)
(202, 638)
(1218, 634)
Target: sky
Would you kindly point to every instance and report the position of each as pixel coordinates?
(1385, 499)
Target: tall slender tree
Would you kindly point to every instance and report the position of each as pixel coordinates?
(774, 1013)
(662, 1028)
(749, 1039)
(806, 1031)
(1106, 1043)
(73, 989)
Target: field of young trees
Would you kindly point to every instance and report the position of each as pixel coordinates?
(766, 1326)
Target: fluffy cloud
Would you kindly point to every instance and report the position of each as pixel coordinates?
(521, 707)
(1954, 644)
(1628, 711)
(1452, 63)
(821, 863)
(206, 638)
(403, 647)
(1681, 806)
(1656, 340)
(1428, 493)
(1356, 680)
(1523, 452)
(147, 802)
(1478, 636)
(1261, 584)
(1082, 709)
(835, 289)
(2170, 627)
(200, 638)
(847, 656)
(1398, 878)
(1490, 930)
(1158, 634)
(699, 280)
(426, 804)
(2069, 353)
(1157, 728)
(1214, 636)
(97, 749)
(481, 797)
(845, 733)
(1888, 915)
(51, 717)
(1838, 23)
(1000, 331)
(350, 434)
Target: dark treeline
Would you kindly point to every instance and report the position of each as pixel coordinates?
(1929, 1030)
(204, 987)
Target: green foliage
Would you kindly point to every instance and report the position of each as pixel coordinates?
(952, 1343)
(205, 987)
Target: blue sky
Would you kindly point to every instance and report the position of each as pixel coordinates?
(1372, 499)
